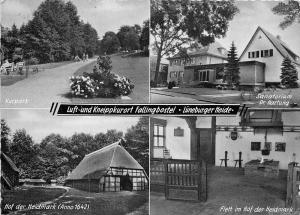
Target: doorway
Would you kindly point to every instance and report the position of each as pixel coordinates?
(126, 183)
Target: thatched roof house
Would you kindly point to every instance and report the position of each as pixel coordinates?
(111, 168)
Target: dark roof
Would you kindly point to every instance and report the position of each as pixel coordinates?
(10, 162)
(282, 47)
(96, 164)
(213, 49)
(213, 66)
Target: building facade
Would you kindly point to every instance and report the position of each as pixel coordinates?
(214, 139)
(270, 50)
(260, 63)
(109, 169)
(211, 54)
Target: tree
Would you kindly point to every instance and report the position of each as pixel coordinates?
(144, 39)
(176, 23)
(129, 37)
(24, 153)
(5, 132)
(290, 10)
(232, 72)
(137, 142)
(79, 144)
(55, 157)
(56, 33)
(12, 43)
(110, 43)
(289, 75)
(90, 37)
(113, 135)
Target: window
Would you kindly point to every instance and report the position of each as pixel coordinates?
(266, 53)
(280, 147)
(173, 74)
(262, 53)
(203, 75)
(159, 135)
(254, 54)
(271, 52)
(255, 146)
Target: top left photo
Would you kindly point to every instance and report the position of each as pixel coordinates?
(74, 51)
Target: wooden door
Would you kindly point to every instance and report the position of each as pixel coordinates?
(185, 180)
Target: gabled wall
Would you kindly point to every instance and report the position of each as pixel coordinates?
(243, 142)
(178, 146)
(273, 64)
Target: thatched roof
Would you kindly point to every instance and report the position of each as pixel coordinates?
(9, 161)
(96, 164)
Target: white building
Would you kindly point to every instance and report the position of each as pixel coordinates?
(214, 53)
(208, 138)
(270, 50)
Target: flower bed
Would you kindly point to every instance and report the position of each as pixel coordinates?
(101, 82)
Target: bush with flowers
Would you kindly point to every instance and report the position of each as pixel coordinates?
(101, 82)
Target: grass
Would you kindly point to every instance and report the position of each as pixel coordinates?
(29, 195)
(227, 187)
(108, 203)
(134, 68)
(10, 80)
(7, 80)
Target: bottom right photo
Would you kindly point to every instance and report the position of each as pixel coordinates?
(226, 164)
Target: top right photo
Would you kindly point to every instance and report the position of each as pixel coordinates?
(233, 52)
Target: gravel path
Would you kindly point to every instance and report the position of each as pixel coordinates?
(40, 90)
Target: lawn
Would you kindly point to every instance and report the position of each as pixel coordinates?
(108, 203)
(7, 80)
(227, 187)
(134, 68)
(29, 195)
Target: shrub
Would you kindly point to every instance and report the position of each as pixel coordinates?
(171, 84)
(32, 61)
(152, 84)
(104, 64)
(219, 87)
(83, 86)
(101, 82)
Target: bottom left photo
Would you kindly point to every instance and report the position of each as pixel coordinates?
(73, 165)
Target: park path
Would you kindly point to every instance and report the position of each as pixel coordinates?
(41, 89)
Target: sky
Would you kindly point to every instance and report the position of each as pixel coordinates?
(258, 13)
(103, 15)
(40, 123)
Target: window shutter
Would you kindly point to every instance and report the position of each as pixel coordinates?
(208, 75)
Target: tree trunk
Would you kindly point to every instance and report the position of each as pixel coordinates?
(158, 60)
